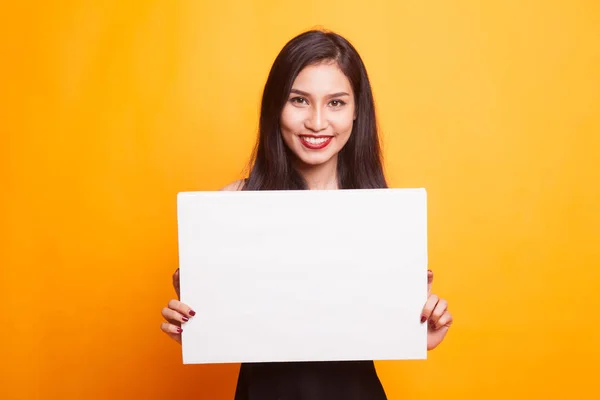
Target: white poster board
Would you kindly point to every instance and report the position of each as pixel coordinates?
(303, 275)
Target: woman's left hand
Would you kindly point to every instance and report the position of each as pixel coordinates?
(437, 316)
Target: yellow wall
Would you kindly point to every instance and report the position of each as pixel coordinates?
(109, 110)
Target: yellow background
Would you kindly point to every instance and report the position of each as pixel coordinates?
(109, 108)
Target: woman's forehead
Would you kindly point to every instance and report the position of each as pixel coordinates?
(322, 79)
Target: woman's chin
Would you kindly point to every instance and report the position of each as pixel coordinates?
(313, 155)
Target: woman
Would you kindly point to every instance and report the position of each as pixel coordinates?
(317, 131)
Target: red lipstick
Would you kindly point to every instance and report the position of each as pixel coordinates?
(315, 142)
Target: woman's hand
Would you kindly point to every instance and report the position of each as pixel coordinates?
(175, 314)
(437, 315)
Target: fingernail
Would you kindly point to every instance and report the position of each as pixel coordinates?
(179, 330)
(185, 319)
(423, 318)
(192, 313)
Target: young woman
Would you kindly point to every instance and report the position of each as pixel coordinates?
(317, 131)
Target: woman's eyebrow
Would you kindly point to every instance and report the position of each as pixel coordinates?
(302, 93)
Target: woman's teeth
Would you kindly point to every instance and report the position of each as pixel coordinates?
(314, 140)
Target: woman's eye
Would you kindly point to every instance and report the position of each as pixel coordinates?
(299, 100)
(337, 103)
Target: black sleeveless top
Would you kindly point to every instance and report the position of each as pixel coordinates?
(330, 380)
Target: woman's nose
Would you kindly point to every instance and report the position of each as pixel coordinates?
(316, 121)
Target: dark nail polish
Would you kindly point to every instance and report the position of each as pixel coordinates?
(423, 318)
(192, 313)
(179, 330)
(185, 319)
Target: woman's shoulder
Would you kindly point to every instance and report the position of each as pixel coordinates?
(234, 186)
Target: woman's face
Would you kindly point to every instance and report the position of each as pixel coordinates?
(317, 118)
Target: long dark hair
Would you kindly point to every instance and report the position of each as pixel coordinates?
(359, 162)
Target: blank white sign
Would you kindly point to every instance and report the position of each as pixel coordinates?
(303, 275)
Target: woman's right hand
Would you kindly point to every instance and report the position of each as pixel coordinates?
(176, 313)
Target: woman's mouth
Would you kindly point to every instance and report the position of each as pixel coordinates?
(315, 142)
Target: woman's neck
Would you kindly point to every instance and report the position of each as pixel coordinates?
(320, 177)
